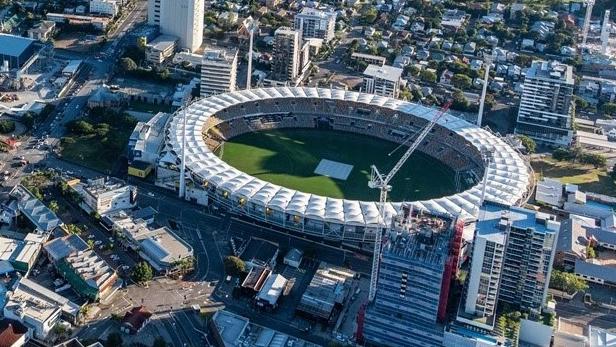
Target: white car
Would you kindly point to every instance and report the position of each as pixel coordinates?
(98, 242)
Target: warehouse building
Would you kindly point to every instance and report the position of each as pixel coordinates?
(326, 292)
(15, 51)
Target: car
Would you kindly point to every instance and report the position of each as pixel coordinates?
(91, 236)
(125, 267)
(150, 194)
(98, 242)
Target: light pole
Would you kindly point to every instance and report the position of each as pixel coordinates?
(251, 26)
(487, 59)
(182, 188)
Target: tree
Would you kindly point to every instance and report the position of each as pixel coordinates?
(159, 342)
(460, 103)
(590, 252)
(113, 340)
(73, 229)
(561, 154)
(405, 94)
(234, 266)
(53, 206)
(7, 126)
(128, 64)
(142, 273)
(368, 14)
(90, 244)
(567, 282)
(528, 143)
(461, 81)
(609, 108)
(80, 127)
(428, 76)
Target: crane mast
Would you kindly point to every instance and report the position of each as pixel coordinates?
(381, 182)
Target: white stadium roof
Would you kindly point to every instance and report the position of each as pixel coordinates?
(507, 181)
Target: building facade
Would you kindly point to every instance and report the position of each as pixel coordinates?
(104, 195)
(313, 23)
(180, 18)
(218, 71)
(546, 107)
(382, 80)
(161, 49)
(417, 266)
(286, 57)
(512, 259)
(105, 7)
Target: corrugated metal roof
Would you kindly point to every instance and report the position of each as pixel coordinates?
(14, 45)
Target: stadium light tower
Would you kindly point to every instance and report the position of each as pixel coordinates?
(605, 32)
(589, 6)
(251, 26)
(487, 62)
(381, 182)
(182, 188)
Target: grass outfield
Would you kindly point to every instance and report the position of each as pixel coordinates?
(288, 157)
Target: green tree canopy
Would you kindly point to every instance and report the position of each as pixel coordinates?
(461, 81)
(128, 64)
(528, 143)
(234, 266)
(609, 108)
(567, 282)
(428, 76)
(142, 272)
(7, 126)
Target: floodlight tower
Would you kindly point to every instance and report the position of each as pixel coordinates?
(381, 182)
(487, 64)
(182, 188)
(251, 26)
(589, 6)
(605, 32)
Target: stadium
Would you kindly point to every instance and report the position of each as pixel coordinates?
(479, 163)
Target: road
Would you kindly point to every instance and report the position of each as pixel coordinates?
(94, 72)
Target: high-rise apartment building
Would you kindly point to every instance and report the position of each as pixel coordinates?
(218, 71)
(546, 107)
(313, 23)
(417, 267)
(180, 18)
(511, 261)
(286, 56)
(382, 80)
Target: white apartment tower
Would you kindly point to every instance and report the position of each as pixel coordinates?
(218, 71)
(180, 18)
(511, 261)
(286, 58)
(546, 107)
(313, 23)
(485, 274)
(382, 80)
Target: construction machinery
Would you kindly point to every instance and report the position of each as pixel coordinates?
(381, 182)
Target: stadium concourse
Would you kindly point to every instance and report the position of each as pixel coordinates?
(210, 121)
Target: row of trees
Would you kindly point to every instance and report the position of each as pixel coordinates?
(577, 155)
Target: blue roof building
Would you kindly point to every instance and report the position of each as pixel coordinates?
(16, 50)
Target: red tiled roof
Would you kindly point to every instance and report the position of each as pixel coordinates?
(136, 317)
(10, 332)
